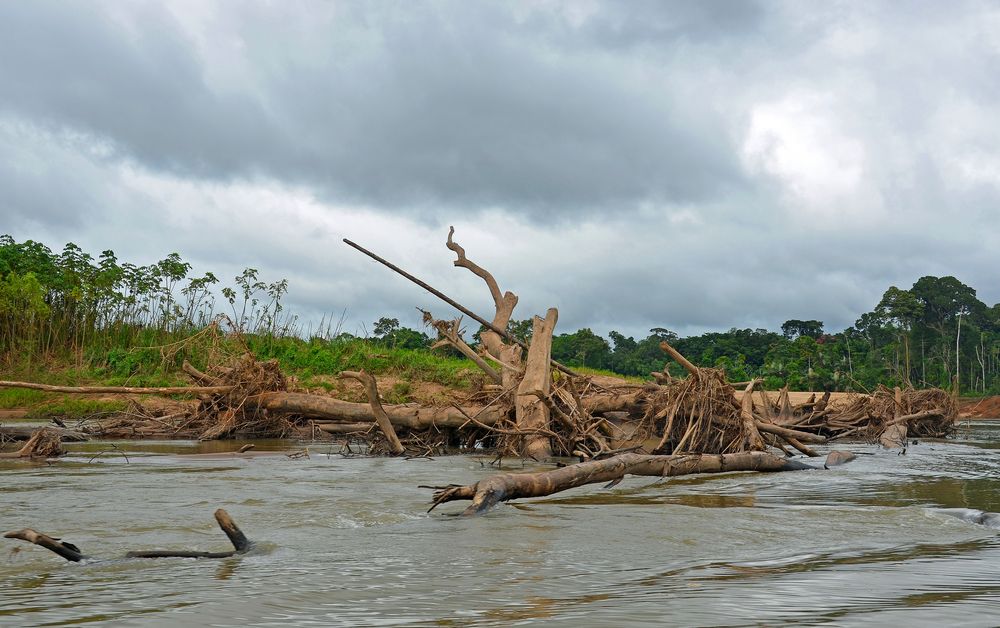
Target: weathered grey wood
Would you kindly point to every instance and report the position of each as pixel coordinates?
(24, 432)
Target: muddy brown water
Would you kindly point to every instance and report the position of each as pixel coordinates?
(345, 541)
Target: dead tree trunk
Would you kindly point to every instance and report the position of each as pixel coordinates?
(894, 434)
(500, 488)
(531, 412)
(241, 545)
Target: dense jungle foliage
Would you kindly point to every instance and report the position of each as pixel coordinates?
(123, 322)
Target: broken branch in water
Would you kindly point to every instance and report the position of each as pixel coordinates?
(72, 553)
(66, 550)
(506, 486)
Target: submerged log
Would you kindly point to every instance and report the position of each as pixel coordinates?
(241, 545)
(750, 427)
(63, 548)
(531, 411)
(71, 552)
(500, 488)
(837, 458)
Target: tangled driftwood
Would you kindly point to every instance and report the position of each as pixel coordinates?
(44, 443)
(531, 407)
(885, 415)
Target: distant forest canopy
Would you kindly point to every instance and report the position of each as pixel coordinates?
(69, 303)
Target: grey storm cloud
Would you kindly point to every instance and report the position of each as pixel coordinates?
(691, 164)
(465, 105)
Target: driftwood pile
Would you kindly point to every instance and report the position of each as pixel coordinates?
(43, 443)
(531, 406)
(886, 415)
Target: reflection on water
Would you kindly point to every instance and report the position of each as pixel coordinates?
(347, 541)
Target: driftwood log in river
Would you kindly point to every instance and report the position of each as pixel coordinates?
(71, 552)
(506, 486)
(45, 442)
(25, 432)
(126, 390)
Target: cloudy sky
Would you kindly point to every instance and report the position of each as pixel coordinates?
(696, 165)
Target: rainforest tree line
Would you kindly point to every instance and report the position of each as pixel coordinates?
(97, 310)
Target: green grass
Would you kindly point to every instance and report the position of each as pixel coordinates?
(74, 408)
(20, 398)
(329, 357)
(586, 370)
(311, 361)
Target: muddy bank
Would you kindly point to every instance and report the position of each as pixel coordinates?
(979, 408)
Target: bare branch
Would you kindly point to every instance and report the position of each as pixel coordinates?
(384, 424)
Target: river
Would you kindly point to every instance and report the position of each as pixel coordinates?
(346, 541)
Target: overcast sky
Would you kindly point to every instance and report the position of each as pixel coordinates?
(692, 165)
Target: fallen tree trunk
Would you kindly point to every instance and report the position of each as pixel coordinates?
(409, 416)
(25, 432)
(344, 428)
(63, 548)
(500, 488)
(72, 553)
(128, 390)
(531, 412)
(44, 443)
